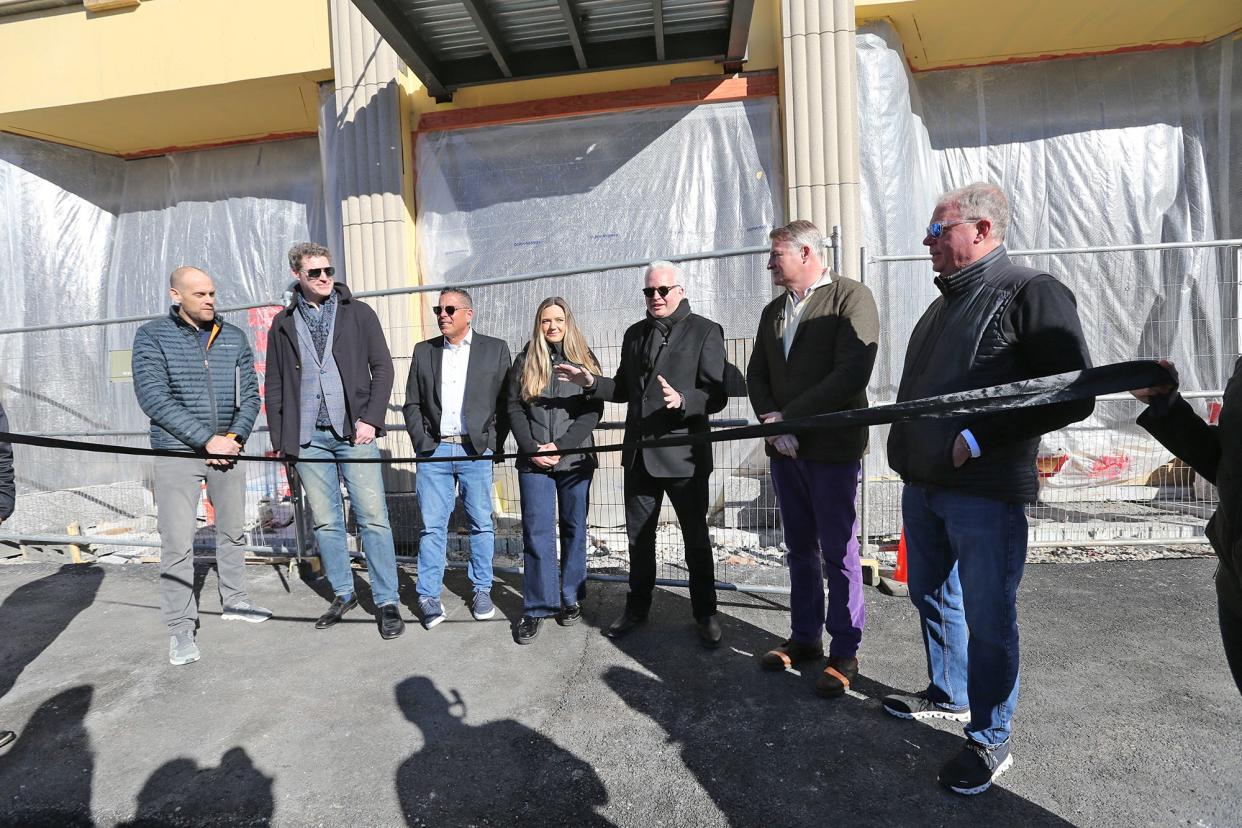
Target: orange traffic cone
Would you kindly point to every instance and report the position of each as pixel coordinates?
(899, 574)
(895, 584)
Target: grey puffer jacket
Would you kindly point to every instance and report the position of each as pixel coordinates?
(192, 393)
(560, 415)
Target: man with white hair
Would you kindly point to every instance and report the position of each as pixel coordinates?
(968, 478)
(671, 377)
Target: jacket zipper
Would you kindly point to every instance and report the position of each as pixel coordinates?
(211, 388)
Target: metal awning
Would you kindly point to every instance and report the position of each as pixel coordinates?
(453, 43)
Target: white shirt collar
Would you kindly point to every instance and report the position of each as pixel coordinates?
(825, 278)
(464, 342)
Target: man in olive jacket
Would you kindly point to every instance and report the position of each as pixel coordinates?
(813, 354)
(671, 377)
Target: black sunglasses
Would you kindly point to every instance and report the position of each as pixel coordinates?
(449, 310)
(313, 273)
(663, 290)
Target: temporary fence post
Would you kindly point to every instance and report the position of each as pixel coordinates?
(836, 248)
(862, 491)
(299, 523)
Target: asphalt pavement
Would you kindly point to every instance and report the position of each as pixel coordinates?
(1127, 715)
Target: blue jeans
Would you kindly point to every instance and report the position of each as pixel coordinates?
(544, 497)
(365, 482)
(436, 486)
(964, 556)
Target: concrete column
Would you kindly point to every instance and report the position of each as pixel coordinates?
(820, 118)
(362, 163)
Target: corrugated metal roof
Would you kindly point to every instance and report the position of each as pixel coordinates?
(453, 43)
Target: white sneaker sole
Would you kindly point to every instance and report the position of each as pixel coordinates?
(428, 624)
(177, 662)
(1004, 766)
(483, 616)
(259, 619)
(950, 715)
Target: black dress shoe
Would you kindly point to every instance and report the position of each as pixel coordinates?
(624, 625)
(710, 633)
(339, 607)
(569, 615)
(527, 629)
(390, 622)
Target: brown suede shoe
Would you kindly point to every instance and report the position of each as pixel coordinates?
(836, 677)
(789, 654)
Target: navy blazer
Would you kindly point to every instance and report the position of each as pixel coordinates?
(484, 403)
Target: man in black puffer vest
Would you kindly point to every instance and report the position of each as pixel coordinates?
(968, 478)
(671, 377)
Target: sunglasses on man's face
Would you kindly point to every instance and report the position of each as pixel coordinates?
(315, 273)
(936, 228)
(663, 290)
(449, 310)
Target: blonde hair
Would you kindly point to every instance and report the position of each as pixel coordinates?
(537, 371)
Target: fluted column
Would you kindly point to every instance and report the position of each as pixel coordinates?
(363, 160)
(820, 118)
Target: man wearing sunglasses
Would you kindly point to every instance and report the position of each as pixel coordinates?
(671, 377)
(968, 479)
(454, 407)
(329, 376)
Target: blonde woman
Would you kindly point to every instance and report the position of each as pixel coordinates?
(549, 414)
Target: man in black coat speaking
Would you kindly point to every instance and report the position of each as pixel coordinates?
(671, 376)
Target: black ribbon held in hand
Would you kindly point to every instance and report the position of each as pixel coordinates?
(1056, 388)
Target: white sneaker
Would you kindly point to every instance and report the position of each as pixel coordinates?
(182, 649)
(245, 611)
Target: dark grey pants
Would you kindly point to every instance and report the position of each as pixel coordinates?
(178, 486)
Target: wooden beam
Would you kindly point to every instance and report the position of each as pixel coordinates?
(575, 31)
(491, 35)
(675, 94)
(657, 6)
(399, 32)
(739, 30)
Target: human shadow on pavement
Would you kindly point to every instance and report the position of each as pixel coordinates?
(179, 792)
(35, 614)
(766, 749)
(45, 776)
(499, 773)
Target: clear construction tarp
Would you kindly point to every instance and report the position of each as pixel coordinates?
(85, 236)
(624, 186)
(1110, 150)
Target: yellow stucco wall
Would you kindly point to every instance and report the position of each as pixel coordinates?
(164, 73)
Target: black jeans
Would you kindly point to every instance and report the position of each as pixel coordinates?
(643, 497)
(1231, 634)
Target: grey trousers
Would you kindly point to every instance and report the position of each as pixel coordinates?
(178, 486)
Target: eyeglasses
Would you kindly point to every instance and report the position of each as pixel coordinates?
(314, 273)
(449, 310)
(936, 228)
(663, 290)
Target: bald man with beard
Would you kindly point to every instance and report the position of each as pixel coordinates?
(194, 377)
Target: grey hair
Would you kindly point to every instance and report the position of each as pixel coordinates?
(799, 234)
(980, 200)
(660, 264)
(303, 250)
(460, 292)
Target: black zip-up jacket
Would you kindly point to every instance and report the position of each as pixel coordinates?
(8, 489)
(995, 322)
(362, 357)
(562, 414)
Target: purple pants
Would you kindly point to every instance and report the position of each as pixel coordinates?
(817, 512)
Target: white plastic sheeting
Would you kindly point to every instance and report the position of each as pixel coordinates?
(88, 236)
(645, 184)
(1121, 149)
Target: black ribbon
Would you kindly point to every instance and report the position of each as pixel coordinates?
(1056, 388)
